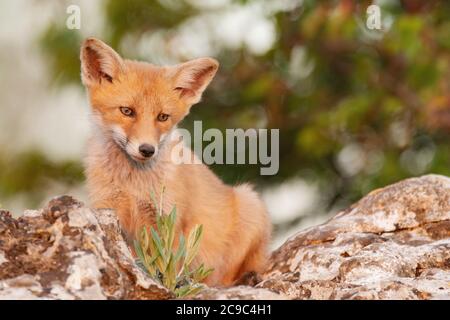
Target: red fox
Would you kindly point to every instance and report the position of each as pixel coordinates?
(135, 106)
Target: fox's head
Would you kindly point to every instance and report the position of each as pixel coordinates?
(136, 104)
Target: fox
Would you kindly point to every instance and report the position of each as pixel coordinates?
(135, 106)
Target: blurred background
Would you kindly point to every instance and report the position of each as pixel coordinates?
(357, 109)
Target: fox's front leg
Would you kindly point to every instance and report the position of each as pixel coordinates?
(124, 210)
(132, 216)
(143, 216)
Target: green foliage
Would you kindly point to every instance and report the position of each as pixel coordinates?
(168, 262)
(32, 173)
(138, 16)
(61, 46)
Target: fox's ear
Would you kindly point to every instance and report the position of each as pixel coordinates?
(99, 62)
(191, 78)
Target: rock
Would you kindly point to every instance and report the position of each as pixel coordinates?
(392, 244)
(239, 293)
(67, 251)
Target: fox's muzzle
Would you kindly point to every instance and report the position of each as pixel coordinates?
(146, 150)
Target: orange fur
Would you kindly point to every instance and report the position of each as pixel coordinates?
(235, 222)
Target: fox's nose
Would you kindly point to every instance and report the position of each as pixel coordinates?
(146, 150)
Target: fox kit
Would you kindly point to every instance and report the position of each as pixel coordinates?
(135, 106)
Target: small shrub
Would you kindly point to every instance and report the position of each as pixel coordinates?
(168, 264)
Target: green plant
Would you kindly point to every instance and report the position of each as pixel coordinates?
(168, 262)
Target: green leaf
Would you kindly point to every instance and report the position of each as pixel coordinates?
(193, 243)
(157, 241)
(171, 227)
(181, 251)
(188, 290)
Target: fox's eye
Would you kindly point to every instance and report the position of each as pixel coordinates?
(127, 111)
(163, 117)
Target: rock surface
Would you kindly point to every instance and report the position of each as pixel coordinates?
(392, 244)
(67, 251)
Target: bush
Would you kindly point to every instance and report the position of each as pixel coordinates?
(166, 262)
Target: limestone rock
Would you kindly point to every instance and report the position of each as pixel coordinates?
(67, 251)
(392, 244)
(239, 293)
